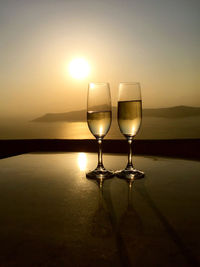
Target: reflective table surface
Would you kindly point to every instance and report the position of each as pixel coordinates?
(52, 215)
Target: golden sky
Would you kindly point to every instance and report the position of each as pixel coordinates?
(155, 42)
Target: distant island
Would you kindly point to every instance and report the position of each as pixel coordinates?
(80, 115)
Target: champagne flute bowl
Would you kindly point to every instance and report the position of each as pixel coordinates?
(129, 116)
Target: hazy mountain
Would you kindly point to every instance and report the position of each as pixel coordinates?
(172, 112)
(80, 115)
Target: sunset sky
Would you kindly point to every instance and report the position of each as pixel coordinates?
(155, 42)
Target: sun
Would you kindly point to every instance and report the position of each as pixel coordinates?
(79, 68)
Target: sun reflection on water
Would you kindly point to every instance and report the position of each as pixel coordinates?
(82, 161)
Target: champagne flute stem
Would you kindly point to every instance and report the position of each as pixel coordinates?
(100, 161)
(130, 164)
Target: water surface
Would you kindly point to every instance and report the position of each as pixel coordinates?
(152, 128)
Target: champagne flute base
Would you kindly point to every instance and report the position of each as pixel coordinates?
(100, 174)
(132, 174)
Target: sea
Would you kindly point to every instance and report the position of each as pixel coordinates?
(151, 128)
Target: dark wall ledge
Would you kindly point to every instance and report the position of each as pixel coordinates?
(181, 148)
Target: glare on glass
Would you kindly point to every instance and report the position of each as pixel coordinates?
(99, 116)
(129, 115)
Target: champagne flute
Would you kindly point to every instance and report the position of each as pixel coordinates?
(129, 120)
(99, 114)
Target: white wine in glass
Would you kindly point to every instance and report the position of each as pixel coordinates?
(99, 116)
(129, 115)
